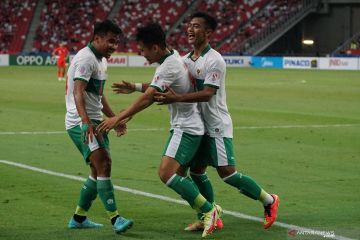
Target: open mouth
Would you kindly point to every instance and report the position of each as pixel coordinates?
(191, 36)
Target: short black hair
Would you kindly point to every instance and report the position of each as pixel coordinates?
(151, 34)
(210, 21)
(102, 28)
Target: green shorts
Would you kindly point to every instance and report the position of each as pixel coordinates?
(182, 146)
(215, 151)
(101, 141)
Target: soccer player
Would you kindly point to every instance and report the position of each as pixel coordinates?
(208, 69)
(85, 104)
(187, 128)
(61, 54)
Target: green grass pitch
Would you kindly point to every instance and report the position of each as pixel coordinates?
(296, 133)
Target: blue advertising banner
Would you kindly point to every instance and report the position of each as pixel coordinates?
(267, 62)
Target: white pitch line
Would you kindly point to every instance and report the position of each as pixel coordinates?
(165, 129)
(298, 126)
(168, 199)
(62, 132)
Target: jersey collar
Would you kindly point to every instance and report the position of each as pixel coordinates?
(93, 49)
(162, 59)
(206, 49)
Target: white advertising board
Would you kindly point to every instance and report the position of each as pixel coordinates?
(237, 61)
(118, 61)
(137, 61)
(339, 63)
(4, 59)
(300, 62)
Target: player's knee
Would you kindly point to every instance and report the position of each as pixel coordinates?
(182, 171)
(225, 171)
(105, 167)
(164, 176)
(198, 170)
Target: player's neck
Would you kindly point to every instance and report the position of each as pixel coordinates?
(163, 54)
(199, 48)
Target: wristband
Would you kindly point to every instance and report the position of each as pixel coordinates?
(138, 87)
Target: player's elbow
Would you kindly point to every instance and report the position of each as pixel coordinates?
(207, 97)
(207, 94)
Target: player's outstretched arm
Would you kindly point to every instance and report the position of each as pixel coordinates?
(121, 129)
(125, 87)
(140, 104)
(171, 96)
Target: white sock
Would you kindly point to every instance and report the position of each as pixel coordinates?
(268, 199)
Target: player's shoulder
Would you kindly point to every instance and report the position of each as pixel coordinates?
(213, 57)
(85, 53)
(83, 57)
(173, 60)
(172, 64)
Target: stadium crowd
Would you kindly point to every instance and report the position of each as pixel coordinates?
(133, 13)
(230, 15)
(240, 21)
(274, 13)
(69, 21)
(15, 19)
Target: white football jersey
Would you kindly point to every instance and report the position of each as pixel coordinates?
(209, 69)
(173, 73)
(89, 66)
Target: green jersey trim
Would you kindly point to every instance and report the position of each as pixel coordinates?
(81, 79)
(162, 59)
(157, 88)
(199, 84)
(93, 49)
(210, 85)
(95, 86)
(202, 54)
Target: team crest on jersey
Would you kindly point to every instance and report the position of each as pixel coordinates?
(82, 70)
(215, 76)
(198, 71)
(156, 78)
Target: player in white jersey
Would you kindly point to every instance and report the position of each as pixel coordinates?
(85, 104)
(208, 69)
(187, 128)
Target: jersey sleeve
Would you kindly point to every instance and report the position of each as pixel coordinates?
(215, 73)
(83, 70)
(162, 80)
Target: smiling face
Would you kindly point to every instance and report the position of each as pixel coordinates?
(151, 53)
(106, 44)
(198, 33)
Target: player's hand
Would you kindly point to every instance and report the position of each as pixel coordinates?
(123, 87)
(87, 131)
(167, 97)
(108, 124)
(121, 130)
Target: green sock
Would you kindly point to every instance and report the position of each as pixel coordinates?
(87, 194)
(204, 185)
(245, 184)
(106, 193)
(189, 192)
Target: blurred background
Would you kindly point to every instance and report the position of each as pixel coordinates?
(314, 28)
